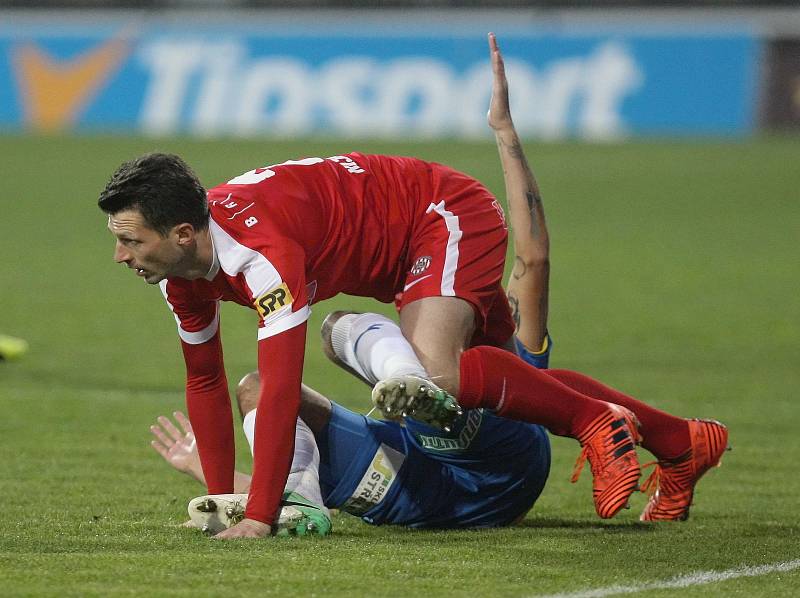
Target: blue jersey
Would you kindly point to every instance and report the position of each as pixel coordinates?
(488, 471)
(541, 359)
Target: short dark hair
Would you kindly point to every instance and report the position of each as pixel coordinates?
(162, 187)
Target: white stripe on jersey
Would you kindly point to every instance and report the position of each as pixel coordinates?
(259, 274)
(284, 323)
(192, 338)
(451, 252)
(235, 258)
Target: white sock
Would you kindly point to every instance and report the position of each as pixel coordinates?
(374, 346)
(304, 472)
(249, 427)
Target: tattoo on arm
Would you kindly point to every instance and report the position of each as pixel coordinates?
(520, 269)
(533, 200)
(532, 194)
(516, 151)
(513, 303)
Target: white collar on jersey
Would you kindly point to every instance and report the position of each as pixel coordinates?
(212, 272)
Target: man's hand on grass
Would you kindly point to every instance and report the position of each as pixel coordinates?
(178, 448)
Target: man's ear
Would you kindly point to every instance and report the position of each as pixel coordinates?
(185, 233)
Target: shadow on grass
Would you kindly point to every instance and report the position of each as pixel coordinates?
(578, 524)
(559, 527)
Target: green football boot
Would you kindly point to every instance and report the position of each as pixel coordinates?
(412, 396)
(301, 517)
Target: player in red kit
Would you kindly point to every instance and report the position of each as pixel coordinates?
(279, 238)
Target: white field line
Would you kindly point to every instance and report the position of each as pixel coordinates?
(683, 581)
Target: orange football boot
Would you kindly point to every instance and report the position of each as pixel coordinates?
(671, 485)
(609, 445)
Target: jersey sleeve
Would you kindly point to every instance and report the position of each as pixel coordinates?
(209, 406)
(280, 364)
(207, 397)
(277, 286)
(197, 319)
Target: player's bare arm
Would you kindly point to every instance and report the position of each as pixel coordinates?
(528, 287)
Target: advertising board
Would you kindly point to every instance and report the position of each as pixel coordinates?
(222, 80)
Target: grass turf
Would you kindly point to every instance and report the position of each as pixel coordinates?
(675, 277)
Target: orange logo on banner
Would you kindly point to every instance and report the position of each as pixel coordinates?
(54, 92)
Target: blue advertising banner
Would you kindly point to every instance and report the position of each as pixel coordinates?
(214, 80)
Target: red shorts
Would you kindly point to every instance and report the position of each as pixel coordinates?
(458, 249)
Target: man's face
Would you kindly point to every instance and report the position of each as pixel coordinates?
(143, 249)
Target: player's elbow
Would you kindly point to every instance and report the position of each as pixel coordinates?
(537, 259)
(534, 250)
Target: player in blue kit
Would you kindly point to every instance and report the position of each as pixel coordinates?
(486, 472)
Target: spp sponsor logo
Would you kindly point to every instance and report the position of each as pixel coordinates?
(272, 301)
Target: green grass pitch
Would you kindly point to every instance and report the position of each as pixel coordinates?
(676, 277)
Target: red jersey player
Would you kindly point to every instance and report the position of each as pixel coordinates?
(278, 238)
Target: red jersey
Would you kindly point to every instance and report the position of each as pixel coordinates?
(284, 237)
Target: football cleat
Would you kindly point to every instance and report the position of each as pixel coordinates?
(412, 396)
(671, 485)
(301, 517)
(12, 347)
(609, 444)
(214, 513)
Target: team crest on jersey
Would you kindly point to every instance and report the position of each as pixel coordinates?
(422, 264)
(273, 300)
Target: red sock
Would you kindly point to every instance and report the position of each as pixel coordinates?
(499, 380)
(664, 435)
